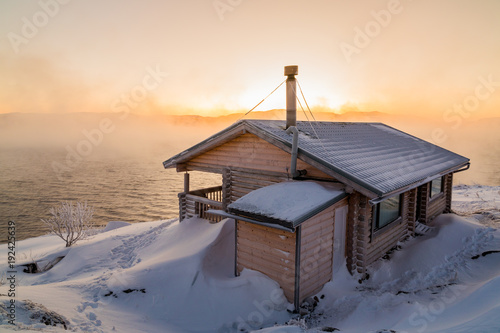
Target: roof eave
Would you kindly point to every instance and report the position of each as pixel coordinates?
(262, 222)
(419, 183)
(306, 216)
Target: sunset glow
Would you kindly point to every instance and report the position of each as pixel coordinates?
(387, 55)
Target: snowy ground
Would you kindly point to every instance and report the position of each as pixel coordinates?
(169, 277)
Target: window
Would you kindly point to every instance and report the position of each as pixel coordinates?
(436, 187)
(387, 211)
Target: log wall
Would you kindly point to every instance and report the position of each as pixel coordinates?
(388, 237)
(432, 207)
(363, 244)
(448, 188)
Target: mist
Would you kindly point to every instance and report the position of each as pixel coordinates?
(158, 137)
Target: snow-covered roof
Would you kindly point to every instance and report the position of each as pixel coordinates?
(373, 156)
(288, 203)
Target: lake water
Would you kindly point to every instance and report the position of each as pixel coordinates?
(121, 188)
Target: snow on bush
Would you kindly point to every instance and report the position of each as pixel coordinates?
(70, 222)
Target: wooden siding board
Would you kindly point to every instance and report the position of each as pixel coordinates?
(257, 251)
(262, 255)
(243, 181)
(287, 289)
(311, 286)
(271, 249)
(264, 240)
(250, 151)
(318, 229)
(316, 252)
(281, 237)
(313, 242)
(193, 166)
(273, 265)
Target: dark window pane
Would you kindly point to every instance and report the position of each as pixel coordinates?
(389, 211)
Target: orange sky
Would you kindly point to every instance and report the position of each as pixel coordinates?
(209, 57)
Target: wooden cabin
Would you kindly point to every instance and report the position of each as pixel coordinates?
(310, 197)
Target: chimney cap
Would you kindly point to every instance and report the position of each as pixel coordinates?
(291, 70)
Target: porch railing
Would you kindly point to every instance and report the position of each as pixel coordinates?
(196, 203)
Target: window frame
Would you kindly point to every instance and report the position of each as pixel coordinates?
(434, 196)
(376, 216)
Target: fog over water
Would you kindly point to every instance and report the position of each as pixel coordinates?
(114, 162)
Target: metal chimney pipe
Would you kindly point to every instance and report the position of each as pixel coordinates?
(291, 98)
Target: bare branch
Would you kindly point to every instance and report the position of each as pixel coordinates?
(70, 222)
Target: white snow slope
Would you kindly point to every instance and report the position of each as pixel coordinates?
(167, 276)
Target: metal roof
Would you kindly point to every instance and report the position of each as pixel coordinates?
(374, 156)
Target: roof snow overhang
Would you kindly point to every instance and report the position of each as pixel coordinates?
(284, 205)
(288, 203)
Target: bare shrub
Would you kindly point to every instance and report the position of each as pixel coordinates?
(70, 222)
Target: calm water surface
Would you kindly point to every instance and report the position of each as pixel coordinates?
(121, 188)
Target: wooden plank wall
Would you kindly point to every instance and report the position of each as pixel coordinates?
(244, 181)
(316, 257)
(251, 152)
(267, 250)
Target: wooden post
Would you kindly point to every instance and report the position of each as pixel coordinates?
(186, 182)
(226, 188)
(182, 206)
(448, 186)
(412, 211)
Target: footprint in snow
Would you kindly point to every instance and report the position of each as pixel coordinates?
(84, 305)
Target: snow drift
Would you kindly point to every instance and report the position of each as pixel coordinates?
(167, 276)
